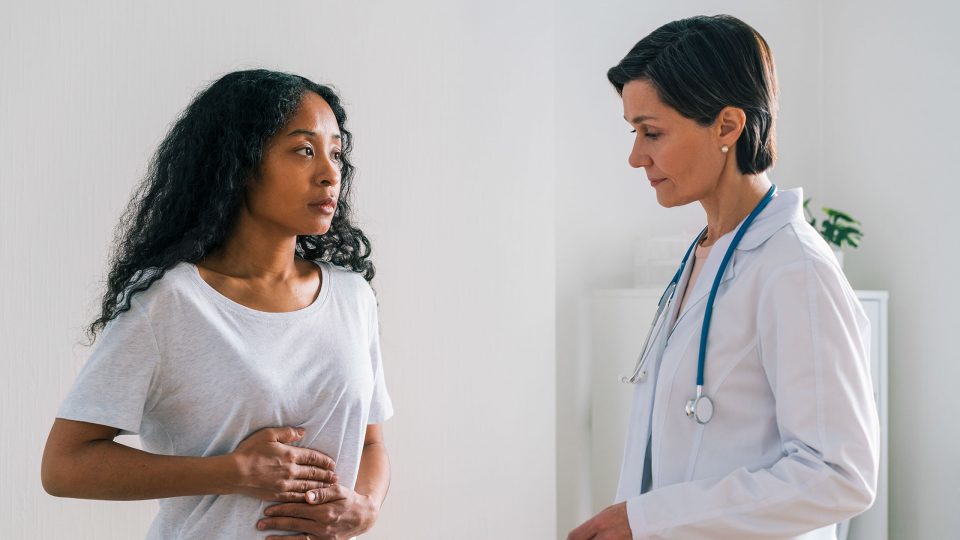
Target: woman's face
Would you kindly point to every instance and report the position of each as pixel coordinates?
(298, 185)
(682, 159)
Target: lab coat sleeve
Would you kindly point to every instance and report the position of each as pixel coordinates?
(813, 340)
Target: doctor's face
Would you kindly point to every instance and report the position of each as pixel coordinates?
(682, 159)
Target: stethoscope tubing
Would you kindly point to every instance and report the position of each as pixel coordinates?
(708, 314)
(692, 408)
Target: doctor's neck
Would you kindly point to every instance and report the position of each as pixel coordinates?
(731, 201)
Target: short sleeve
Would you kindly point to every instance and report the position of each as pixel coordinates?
(119, 381)
(381, 407)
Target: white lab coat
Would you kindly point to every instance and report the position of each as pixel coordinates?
(793, 445)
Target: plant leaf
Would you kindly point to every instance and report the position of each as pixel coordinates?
(839, 215)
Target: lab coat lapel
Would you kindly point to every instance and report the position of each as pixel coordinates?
(631, 470)
(786, 206)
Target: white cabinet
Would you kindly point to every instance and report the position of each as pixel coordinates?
(616, 322)
(872, 524)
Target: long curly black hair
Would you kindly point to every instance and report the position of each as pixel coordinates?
(186, 206)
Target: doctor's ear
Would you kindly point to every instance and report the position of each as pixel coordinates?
(729, 123)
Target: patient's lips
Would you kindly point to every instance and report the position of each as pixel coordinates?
(324, 206)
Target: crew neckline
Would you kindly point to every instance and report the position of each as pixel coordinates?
(219, 298)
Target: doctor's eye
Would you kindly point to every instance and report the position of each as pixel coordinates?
(337, 157)
(306, 151)
(652, 136)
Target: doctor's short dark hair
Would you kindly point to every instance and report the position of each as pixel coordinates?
(702, 64)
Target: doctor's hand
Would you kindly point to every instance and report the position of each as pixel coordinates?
(331, 513)
(609, 524)
(267, 467)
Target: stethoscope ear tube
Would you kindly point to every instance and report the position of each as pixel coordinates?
(639, 374)
(663, 306)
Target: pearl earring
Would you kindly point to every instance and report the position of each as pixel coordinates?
(724, 149)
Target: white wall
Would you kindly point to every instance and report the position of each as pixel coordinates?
(452, 108)
(890, 121)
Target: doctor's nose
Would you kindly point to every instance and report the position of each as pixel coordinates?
(638, 158)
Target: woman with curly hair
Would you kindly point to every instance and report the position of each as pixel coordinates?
(239, 334)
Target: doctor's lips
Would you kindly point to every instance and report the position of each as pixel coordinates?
(655, 181)
(324, 206)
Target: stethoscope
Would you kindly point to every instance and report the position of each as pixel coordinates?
(700, 408)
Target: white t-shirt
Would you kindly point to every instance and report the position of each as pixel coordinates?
(194, 374)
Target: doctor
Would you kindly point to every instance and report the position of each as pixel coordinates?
(760, 323)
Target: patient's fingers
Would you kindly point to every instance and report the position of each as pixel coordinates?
(316, 474)
(308, 456)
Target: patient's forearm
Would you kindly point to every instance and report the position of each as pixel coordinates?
(373, 479)
(105, 469)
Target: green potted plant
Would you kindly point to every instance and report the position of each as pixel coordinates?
(838, 229)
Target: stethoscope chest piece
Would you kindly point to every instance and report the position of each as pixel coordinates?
(700, 408)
